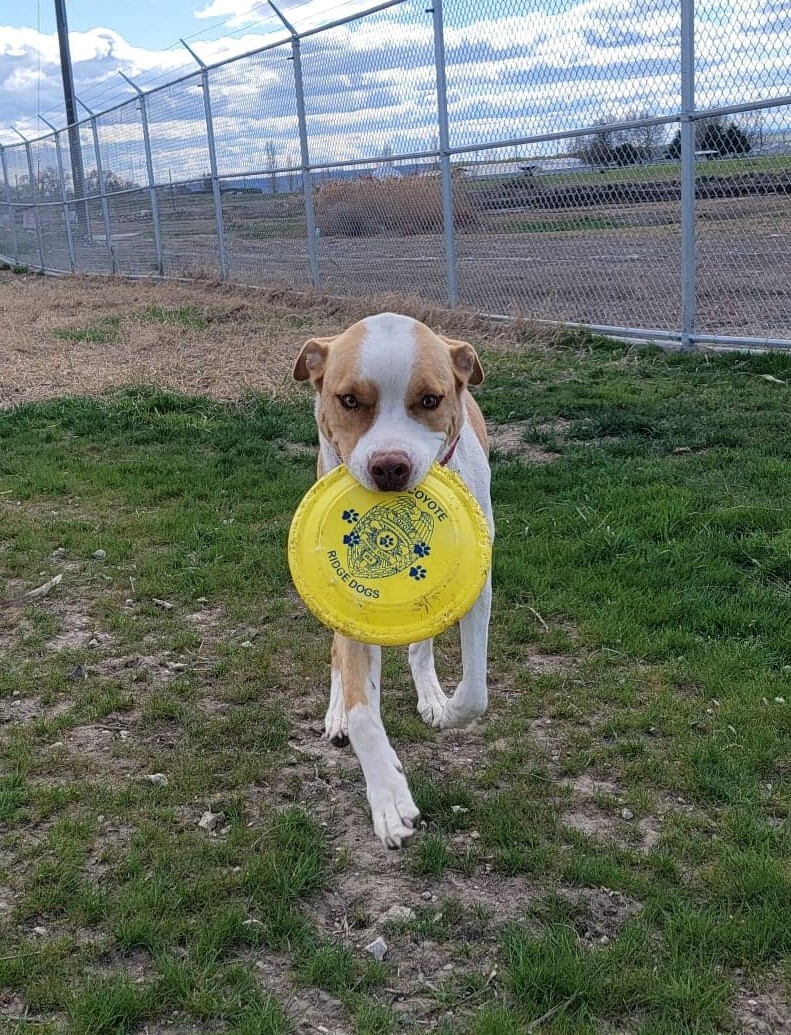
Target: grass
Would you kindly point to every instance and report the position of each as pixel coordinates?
(607, 853)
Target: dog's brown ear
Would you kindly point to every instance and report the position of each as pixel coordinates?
(465, 361)
(312, 359)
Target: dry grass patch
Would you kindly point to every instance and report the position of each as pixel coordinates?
(90, 335)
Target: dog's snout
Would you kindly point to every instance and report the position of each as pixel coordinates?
(390, 471)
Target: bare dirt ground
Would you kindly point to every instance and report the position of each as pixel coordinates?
(607, 265)
(616, 265)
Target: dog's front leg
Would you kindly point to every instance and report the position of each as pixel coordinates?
(471, 696)
(395, 815)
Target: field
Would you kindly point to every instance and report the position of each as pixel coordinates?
(597, 248)
(606, 853)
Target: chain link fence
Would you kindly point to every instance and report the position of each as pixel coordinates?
(619, 164)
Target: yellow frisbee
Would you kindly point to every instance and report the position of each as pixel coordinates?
(389, 567)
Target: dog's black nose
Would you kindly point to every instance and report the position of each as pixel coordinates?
(390, 471)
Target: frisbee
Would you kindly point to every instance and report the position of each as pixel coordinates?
(389, 567)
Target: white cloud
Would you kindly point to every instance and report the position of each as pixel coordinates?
(371, 82)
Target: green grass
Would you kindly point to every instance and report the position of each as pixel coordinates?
(616, 834)
(103, 332)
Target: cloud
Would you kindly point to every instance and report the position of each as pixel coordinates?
(306, 15)
(371, 83)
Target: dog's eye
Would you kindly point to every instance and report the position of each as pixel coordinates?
(430, 402)
(349, 402)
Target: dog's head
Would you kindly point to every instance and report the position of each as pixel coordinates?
(389, 397)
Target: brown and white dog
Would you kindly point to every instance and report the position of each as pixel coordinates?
(391, 399)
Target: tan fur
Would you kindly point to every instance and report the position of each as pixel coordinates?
(477, 423)
(435, 373)
(332, 364)
(352, 659)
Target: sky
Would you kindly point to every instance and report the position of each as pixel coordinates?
(515, 68)
(141, 38)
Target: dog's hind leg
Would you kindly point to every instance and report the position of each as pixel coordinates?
(431, 699)
(471, 696)
(395, 815)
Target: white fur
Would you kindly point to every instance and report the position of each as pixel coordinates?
(387, 359)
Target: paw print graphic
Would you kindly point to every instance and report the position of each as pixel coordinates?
(386, 542)
(351, 539)
(421, 549)
(417, 572)
(351, 516)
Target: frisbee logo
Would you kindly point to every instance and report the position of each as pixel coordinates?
(388, 539)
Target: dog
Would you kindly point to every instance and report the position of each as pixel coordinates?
(392, 399)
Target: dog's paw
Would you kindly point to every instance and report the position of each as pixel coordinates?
(432, 708)
(336, 728)
(462, 709)
(395, 816)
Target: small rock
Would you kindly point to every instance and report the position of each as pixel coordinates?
(159, 780)
(164, 604)
(627, 814)
(93, 643)
(211, 820)
(40, 931)
(99, 555)
(78, 672)
(377, 948)
(427, 896)
(397, 914)
(458, 809)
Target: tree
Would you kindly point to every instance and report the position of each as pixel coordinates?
(625, 154)
(111, 182)
(597, 148)
(647, 139)
(717, 135)
(270, 150)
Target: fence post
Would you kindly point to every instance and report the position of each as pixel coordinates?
(307, 180)
(64, 195)
(687, 132)
(152, 190)
(444, 156)
(108, 233)
(215, 179)
(33, 197)
(11, 205)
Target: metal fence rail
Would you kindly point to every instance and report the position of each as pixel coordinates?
(625, 166)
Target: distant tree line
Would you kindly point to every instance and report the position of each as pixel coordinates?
(49, 188)
(608, 145)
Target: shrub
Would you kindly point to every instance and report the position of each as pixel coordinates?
(403, 205)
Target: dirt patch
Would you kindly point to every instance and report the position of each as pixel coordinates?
(509, 440)
(609, 818)
(762, 1012)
